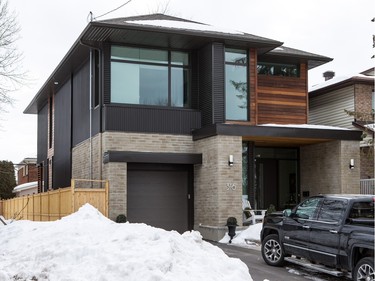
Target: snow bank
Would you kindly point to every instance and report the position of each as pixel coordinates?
(88, 246)
(243, 238)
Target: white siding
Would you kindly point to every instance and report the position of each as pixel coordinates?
(328, 109)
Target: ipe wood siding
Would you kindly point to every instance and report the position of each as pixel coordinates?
(282, 100)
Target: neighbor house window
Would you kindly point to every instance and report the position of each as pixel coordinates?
(278, 69)
(236, 102)
(150, 77)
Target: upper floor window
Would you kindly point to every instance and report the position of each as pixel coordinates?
(278, 69)
(236, 101)
(150, 77)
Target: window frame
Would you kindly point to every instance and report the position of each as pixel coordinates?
(242, 64)
(169, 65)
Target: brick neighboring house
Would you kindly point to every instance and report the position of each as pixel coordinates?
(27, 177)
(185, 120)
(329, 100)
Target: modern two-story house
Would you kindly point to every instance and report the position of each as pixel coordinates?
(184, 120)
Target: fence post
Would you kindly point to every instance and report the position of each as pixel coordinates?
(72, 189)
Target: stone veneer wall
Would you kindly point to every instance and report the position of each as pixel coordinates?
(218, 187)
(325, 169)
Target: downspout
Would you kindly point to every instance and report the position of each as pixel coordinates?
(90, 109)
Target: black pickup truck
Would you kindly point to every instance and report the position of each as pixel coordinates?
(329, 233)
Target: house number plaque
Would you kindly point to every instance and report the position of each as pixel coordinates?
(231, 186)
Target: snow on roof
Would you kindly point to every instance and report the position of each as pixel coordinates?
(306, 126)
(185, 25)
(336, 80)
(25, 186)
(88, 246)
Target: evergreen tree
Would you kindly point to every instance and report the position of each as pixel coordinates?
(7, 179)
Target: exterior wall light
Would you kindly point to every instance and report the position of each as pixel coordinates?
(351, 164)
(230, 160)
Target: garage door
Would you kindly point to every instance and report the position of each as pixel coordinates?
(158, 198)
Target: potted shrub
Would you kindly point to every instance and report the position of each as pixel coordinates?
(231, 224)
(121, 218)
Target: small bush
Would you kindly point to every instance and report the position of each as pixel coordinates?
(231, 221)
(121, 218)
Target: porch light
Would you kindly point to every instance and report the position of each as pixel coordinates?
(230, 160)
(351, 164)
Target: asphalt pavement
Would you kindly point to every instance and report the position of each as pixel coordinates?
(260, 271)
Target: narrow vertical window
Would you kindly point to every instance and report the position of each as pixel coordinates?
(236, 93)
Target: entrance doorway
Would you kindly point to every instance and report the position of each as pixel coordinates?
(276, 178)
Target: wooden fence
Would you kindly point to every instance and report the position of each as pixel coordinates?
(53, 205)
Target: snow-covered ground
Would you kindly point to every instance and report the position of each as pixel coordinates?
(88, 246)
(248, 237)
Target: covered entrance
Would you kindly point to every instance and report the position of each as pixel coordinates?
(276, 177)
(160, 195)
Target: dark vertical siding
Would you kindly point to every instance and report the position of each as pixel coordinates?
(42, 135)
(211, 84)
(205, 84)
(81, 112)
(127, 118)
(218, 82)
(62, 137)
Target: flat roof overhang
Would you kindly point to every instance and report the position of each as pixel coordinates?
(277, 136)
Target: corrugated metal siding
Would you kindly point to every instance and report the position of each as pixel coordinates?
(205, 84)
(149, 119)
(62, 137)
(211, 84)
(81, 114)
(328, 109)
(218, 83)
(42, 134)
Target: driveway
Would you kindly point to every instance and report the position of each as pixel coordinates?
(260, 271)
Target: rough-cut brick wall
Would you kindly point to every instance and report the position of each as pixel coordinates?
(324, 167)
(218, 187)
(367, 163)
(363, 98)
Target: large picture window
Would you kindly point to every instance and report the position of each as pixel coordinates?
(236, 104)
(150, 77)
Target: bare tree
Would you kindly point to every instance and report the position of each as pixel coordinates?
(11, 74)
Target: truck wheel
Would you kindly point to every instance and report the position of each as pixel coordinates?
(364, 270)
(272, 252)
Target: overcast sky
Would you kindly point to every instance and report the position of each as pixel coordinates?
(340, 29)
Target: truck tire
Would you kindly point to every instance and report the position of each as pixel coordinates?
(272, 251)
(364, 270)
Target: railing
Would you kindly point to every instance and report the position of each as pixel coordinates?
(367, 186)
(53, 205)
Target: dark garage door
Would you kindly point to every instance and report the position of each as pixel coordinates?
(158, 198)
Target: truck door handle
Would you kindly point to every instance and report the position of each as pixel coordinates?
(306, 227)
(333, 231)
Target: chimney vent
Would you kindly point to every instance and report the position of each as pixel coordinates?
(328, 75)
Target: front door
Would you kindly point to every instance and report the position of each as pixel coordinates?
(267, 184)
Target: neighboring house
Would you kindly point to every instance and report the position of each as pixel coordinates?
(173, 113)
(27, 177)
(330, 102)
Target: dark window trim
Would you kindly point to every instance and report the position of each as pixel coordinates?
(168, 64)
(246, 64)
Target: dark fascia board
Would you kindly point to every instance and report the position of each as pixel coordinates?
(152, 157)
(313, 60)
(277, 132)
(342, 84)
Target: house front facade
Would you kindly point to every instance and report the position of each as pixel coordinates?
(185, 120)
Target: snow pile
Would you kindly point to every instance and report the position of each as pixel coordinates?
(88, 246)
(242, 238)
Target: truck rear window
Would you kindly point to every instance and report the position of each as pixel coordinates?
(362, 210)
